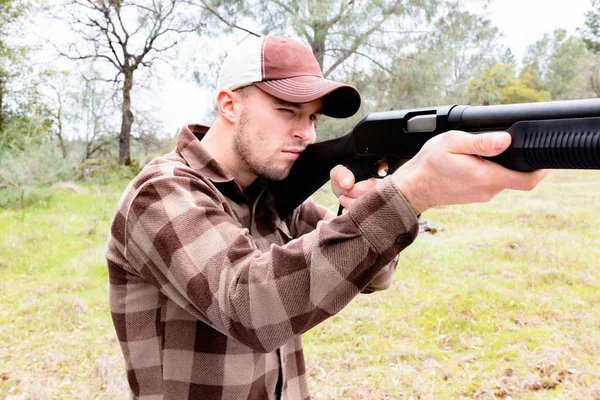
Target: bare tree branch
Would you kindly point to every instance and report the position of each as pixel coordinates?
(214, 12)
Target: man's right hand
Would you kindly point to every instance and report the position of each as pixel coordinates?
(449, 170)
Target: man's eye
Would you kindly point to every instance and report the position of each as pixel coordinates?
(286, 110)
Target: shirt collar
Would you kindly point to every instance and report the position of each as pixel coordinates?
(196, 156)
(190, 148)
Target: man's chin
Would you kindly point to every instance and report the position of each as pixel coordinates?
(279, 177)
(276, 175)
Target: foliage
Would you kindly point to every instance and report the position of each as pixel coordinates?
(590, 32)
(436, 70)
(467, 43)
(336, 30)
(11, 59)
(558, 63)
(10, 12)
(408, 81)
(593, 75)
(499, 85)
(24, 171)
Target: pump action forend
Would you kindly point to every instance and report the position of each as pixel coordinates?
(552, 135)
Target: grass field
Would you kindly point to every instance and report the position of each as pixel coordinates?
(503, 302)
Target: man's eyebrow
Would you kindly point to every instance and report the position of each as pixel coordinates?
(281, 102)
(297, 106)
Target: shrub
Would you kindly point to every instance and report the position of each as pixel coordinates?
(23, 170)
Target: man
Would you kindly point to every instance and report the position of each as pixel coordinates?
(209, 289)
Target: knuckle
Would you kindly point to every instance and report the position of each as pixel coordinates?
(530, 185)
(367, 185)
(336, 172)
(488, 195)
(480, 144)
(481, 173)
(450, 137)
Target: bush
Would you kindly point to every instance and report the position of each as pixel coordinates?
(22, 171)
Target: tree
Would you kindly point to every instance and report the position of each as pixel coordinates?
(92, 120)
(468, 43)
(591, 31)
(337, 31)
(559, 63)
(593, 75)
(414, 79)
(10, 13)
(435, 69)
(125, 36)
(57, 83)
(498, 84)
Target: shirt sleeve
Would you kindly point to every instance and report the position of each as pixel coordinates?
(305, 219)
(180, 238)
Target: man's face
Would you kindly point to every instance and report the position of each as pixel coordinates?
(271, 133)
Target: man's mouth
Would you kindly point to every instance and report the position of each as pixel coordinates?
(293, 152)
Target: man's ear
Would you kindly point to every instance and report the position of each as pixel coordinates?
(226, 104)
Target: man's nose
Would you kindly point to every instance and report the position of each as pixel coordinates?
(307, 132)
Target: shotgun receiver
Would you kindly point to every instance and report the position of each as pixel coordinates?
(553, 135)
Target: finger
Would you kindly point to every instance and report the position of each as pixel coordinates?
(529, 180)
(487, 144)
(343, 200)
(526, 181)
(346, 201)
(341, 179)
(360, 188)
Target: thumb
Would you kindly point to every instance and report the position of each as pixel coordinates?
(341, 179)
(486, 144)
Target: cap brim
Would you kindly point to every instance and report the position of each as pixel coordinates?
(339, 100)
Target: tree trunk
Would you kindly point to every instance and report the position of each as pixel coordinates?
(1, 104)
(126, 122)
(317, 43)
(59, 134)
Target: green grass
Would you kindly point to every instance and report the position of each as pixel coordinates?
(504, 302)
(56, 334)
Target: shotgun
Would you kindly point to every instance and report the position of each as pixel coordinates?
(549, 135)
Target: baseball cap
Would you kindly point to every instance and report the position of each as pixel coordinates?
(288, 70)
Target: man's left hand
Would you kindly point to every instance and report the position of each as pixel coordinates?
(344, 186)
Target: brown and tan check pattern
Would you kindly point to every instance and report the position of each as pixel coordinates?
(210, 291)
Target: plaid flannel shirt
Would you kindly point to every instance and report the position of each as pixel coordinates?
(210, 290)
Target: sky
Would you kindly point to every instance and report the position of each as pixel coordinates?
(522, 22)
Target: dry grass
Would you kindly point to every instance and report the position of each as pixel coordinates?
(504, 302)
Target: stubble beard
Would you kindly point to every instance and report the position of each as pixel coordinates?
(242, 142)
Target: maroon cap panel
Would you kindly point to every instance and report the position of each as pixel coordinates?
(286, 58)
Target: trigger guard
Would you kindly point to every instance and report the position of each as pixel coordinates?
(374, 168)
